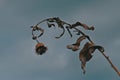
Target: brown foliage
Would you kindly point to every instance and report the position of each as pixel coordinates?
(85, 26)
(86, 53)
(76, 45)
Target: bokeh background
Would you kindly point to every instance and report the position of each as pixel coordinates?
(18, 60)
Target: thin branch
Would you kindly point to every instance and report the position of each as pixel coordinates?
(112, 65)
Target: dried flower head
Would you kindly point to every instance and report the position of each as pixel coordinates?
(40, 48)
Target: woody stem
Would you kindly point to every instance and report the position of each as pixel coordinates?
(107, 58)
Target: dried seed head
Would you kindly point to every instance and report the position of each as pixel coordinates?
(40, 48)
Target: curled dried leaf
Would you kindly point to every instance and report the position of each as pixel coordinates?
(50, 25)
(34, 37)
(84, 56)
(76, 45)
(85, 26)
(60, 24)
(86, 53)
(93, 48)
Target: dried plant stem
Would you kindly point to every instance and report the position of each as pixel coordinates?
(69, 26)
(84, 35)
(103, 53)
(114, 67)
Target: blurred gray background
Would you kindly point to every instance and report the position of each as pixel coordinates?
(18, 60)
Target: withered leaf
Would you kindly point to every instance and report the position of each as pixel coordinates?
(93, 48)
(86, 53)
(50, 25)
(76, 45)
(60, 24)
(84, 56)
(85, 26)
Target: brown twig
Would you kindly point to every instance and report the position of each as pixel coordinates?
(112, 65)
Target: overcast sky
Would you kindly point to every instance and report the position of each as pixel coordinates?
(18, 60)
